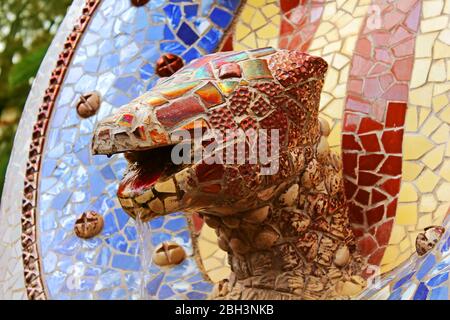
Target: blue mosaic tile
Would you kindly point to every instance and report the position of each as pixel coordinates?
(221, 17)
(201, 286)
(174, 15)
(191, 54)
(437, 280)
(230, 4)
(175, 224)
(426, 266)
(157, 223)
(440, 293)
(153, 285)
(403, 280)
(118, 242)
(165, 292)
(196, 296)
(190, 11)
(421, 292)
(446, 246)
(396, 294)
(126, 262)
(104, 256)
(210, 40)
(186, 34)
(114, 294)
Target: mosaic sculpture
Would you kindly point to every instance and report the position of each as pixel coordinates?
(385, 96)
(287, 233)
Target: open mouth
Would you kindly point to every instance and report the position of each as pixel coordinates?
(146, 168)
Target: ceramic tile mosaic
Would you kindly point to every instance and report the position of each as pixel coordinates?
(258, 25)
(373, 121)
(299, 22)
(72, 181)
(424, 194)
(12, 284)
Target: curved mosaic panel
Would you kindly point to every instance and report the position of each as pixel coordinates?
(12, 281)
(71, 181)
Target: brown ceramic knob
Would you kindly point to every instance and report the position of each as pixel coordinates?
(139, 3)
(88, 104)
(88, 225)
(168, 64)
(342, 256)
(426, 241)
(168, 253)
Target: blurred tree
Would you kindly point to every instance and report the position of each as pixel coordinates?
(26, 29)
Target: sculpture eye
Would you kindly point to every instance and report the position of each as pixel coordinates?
(229, 70)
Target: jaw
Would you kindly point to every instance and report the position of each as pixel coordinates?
(150, 188)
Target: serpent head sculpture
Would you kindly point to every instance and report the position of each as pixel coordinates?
(284, 219)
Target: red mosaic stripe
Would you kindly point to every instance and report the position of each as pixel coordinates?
(374, 117)
(299, 22)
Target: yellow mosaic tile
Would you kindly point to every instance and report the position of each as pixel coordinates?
(407, 193)
(428, 203)
(397, 234)
(443, 191)
(213, 258)
(219, 274)
(432, 9)
(390, 255)
(430, 125)
(411, 170)
(445, 115)
(441, 50)
(404, 245)
(445, 170)
(423, 114)
(421, 96)
(434, 24)
(426, 49)
(258, 26)
(434, 158)
(427, 181)
(415, 146)
(440, 213)
(441, 135)
(411, 119)
(420, 72)
(424, 221)
(406, 213)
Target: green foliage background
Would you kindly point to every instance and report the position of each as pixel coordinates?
(27, 28)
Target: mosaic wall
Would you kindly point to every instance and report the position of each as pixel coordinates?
(425, 191)
(386, 96)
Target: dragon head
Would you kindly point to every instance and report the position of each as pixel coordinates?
(272, 94)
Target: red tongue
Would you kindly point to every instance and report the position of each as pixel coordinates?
(137, 180)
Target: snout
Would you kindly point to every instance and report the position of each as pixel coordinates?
(132, 128)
